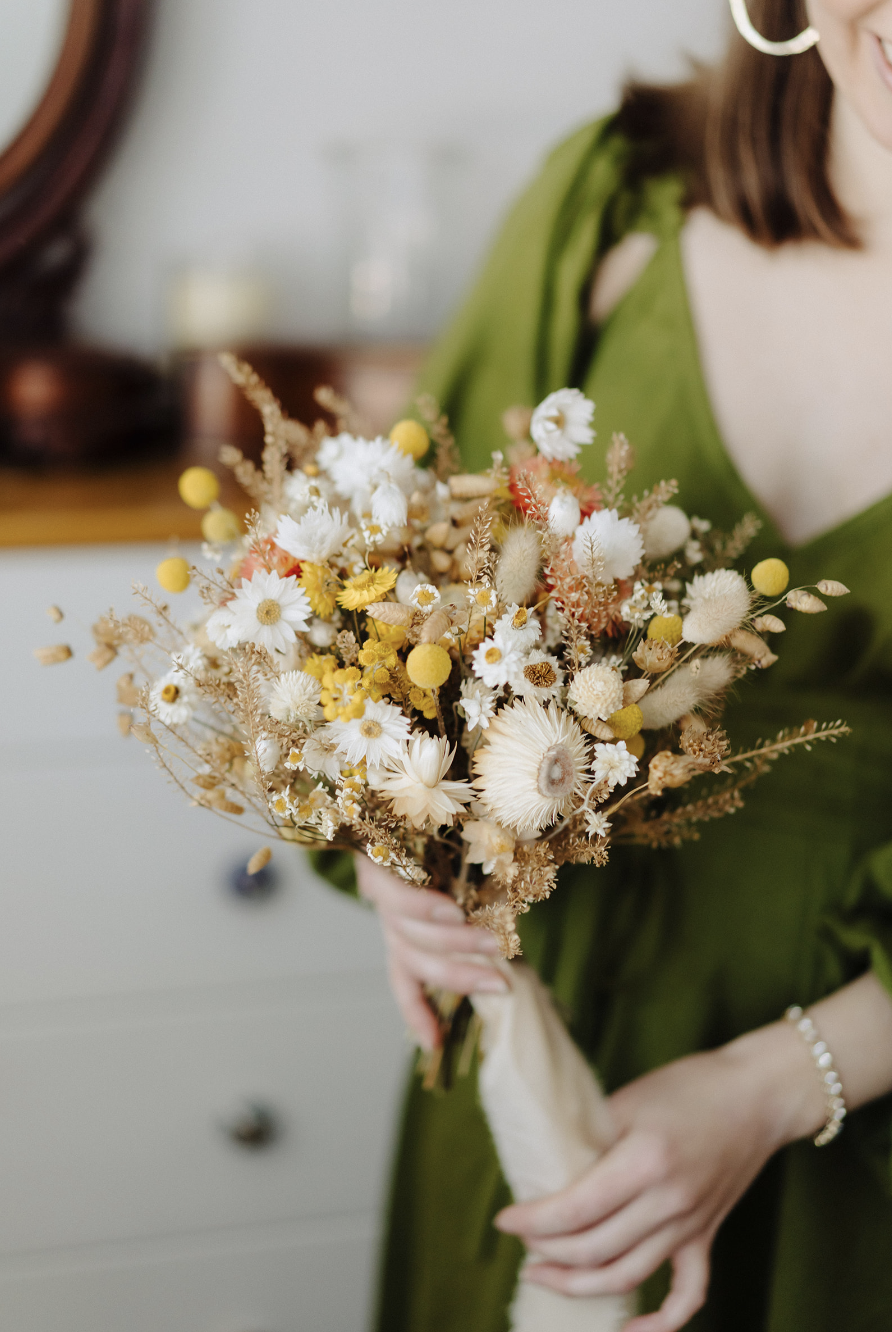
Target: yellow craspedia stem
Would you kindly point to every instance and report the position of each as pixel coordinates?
(770, 577)
(198, 487)
(627, 722)
(411, 437)
(173, 574)
(219, 526)
(666, 627)
(428, 665)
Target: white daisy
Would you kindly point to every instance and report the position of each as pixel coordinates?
(477, 703)
(280, 804)
(617, 541)
(532, 766)
(614, 764)
(540, 677)
(494, 662)
(379, 735)
(596, 823)
(315, 537)
(489, 846)
(717, 603)
(416, 785)
(562, 424)
(172, 699)
(517, 629)
(268, 610)
(295, 698)
(424, 597)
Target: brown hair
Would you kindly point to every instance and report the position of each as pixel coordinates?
(751, 136)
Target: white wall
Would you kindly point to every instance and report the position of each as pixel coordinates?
(223, 162)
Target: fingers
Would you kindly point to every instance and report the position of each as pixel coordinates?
(621, 1174)
(435, 938)
(619, 1278)
(616, 1235)
(413, 1006)
(447, 971)
(390, 894)
(688, 1294)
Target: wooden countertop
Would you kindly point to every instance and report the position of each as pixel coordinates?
(120, 504)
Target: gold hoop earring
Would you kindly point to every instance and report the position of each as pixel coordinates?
(794, 46)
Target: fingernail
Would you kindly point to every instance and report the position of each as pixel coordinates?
(488, 944)
(448, 912)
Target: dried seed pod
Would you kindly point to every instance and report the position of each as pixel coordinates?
(125, 722)
(672, 770)
(55, 614)
(600, 730)
(441, 560)
(143, 733)
(436, 625)
(438, 534)
(806, 602)
(206, 781)
(128, 694)
(389, 612)
(769, 624)
(457, 536)
(464, 514)
(102, 655)
(516, 423)
(468, 486)
(751, 645)
(831, 588)
(259, 859)
(633, 690)
(51, 656)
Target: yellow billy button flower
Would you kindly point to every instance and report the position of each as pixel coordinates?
(219, 526)
(635, 745)
(428, 665)
(770, 577)
(319, 666)
(366, 587)
(627, 722)
(666, 627)
(411, 437)
(198, 487)
(321, 586)
(173, 574)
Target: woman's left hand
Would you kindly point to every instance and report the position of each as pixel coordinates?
(692, 1136)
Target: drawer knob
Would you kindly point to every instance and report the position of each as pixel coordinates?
(252, 1126)
(253, 887)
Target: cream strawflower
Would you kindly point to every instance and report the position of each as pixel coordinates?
(268, 610)
(562, 423)
(540, 677)
(596, 692)
(617, 541)
(315, 537)
(416, 785)
(172, 698)
(477, 703)
(378, 736)
(614, 764)
(596, 823)
(295, 698)
(717, 603)
(489, 846)
(495, 661)
(532, 766)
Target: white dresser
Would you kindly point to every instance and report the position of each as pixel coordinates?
(198, 1092)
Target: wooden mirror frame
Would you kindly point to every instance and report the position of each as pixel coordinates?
(47, 168)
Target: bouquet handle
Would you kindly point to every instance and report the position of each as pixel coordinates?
(550, 1121)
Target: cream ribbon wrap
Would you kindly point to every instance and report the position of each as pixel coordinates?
(549, 1121)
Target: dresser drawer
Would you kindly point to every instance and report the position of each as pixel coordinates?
(124, 1129)
(310, 1279)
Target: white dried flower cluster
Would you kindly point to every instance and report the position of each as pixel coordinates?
(596, 692)
(717, 603)
(613, 542)
(561, 424)
(532, 765)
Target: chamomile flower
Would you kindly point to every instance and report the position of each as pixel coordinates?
(517, 629)
(172, 699)
(425, 597)
(483, 597)
(614, 764)
(494, 662)
(561, 424)
(378, 736)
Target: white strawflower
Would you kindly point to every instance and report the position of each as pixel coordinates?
(517, 629)
(416, 785)
(489, 846)
(379, 735)
(268, 610)
(617, 541)
(320, 756)
(596, 823)
(562, 423)
(539, 677)
(596, 692)
(390, 508)
(495, 661)
(477, 703)
(315, 537)
(298, 492)
(614, 764)
(717, 603)
(532, 766)
(219, 627)
(517, 571)
(295, 698)
(269, 751)
(666, 532)
(172, 698)
(685, 690)
(356, 466)
(564, 513)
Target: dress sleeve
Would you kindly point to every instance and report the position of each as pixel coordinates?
(862, 925)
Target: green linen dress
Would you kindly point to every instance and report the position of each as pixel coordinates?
(665, 953)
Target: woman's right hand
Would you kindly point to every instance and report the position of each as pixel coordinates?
(429, 943)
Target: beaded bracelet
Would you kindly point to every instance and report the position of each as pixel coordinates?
(836, 1106)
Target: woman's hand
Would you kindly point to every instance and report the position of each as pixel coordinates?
(429, 943)
(692, 1136)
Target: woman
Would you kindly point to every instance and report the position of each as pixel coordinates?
(738, 329)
